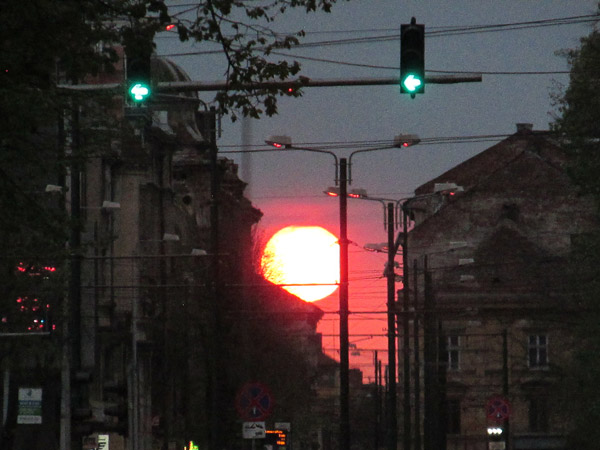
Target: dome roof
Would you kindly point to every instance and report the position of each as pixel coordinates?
(175, 113)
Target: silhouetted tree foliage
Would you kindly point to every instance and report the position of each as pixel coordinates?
(44, 43)
(578, 124)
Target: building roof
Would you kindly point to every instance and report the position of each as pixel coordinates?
(476, 169)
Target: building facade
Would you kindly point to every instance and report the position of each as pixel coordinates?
(165, 317)
(494, 306)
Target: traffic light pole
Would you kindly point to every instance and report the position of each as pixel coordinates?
(198, 86)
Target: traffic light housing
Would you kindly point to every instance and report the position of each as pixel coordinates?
(139, 74)
(412, 58)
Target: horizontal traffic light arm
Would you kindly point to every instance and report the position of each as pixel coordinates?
(190, 86)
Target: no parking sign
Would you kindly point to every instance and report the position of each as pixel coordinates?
(497, 408)
(254, 402)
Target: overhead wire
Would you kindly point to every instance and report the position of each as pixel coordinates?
(444, 31)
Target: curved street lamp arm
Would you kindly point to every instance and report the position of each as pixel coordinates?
(372, 149)
(290, 148)
(316, 150)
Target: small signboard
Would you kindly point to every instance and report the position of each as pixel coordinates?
(103, 442)
(29, 406)
(254, 430)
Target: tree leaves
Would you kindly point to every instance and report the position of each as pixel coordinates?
(578, 125)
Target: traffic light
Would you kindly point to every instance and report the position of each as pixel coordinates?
(139, 74)
(412, 58)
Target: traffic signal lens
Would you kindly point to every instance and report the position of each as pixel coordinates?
(412, 83)
(139, 92)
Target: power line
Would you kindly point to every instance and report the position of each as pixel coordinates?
(439, 32)
(352, 145)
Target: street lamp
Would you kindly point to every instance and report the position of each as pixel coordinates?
(342, 179)
(285, 143)
(391, 221)
(391, 248)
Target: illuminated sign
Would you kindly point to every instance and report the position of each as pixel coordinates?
(277, 437)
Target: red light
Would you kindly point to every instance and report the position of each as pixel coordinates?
(50, 269)
(353, 195)
(170, 27)
(331, 194)
(277, 145)
(290, 90)
(405, 144)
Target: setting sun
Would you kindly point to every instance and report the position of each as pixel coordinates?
(298, 255)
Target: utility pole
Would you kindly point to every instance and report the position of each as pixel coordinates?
(417, 358)
(406, 332)
(430, 360)
(392, 425)
(343, 294)
(209, 128)
(73, 334)
(505, 382)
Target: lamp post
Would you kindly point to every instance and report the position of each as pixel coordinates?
(392, 249)
(342, 179)
(389, 222)
(285, 143)
(392, 209)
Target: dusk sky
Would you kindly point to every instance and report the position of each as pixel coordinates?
(288, 187)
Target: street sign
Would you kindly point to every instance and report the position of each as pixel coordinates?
(103, 442)
(29, 406)
(497, 408)
(254, 402)
(254, 430)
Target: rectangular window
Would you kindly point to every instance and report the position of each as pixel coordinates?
(453, 352)
(538, 414)
(453, 423)
(538, 351)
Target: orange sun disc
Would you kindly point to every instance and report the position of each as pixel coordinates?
(297, 256)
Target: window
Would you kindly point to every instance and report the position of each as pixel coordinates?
(453, 418)
(538, 414)
(453, 352)
(538, 351)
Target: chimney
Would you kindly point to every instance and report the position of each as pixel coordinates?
(524, 127)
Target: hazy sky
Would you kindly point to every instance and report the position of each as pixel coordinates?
(288, 187)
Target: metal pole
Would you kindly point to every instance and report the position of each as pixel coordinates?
(429, 353)
(376, 396)
(505, 383)
(417, 357)
(392, 425)
(73, 331)
(344, 363)
(406, 332)
(191, 86)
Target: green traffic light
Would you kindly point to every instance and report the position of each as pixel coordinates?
(139, 92)
(411, 83)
